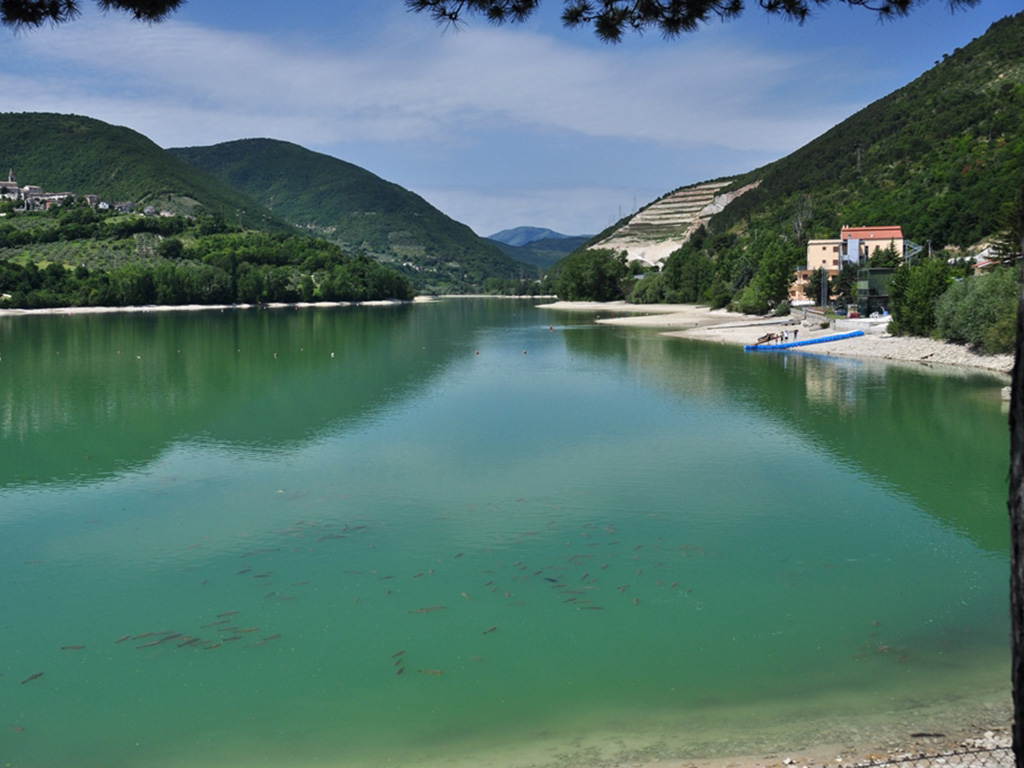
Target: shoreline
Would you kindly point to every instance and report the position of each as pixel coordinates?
(682, 321)
(688, 321)
(145, 308)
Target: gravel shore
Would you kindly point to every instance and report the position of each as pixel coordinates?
(694, 322)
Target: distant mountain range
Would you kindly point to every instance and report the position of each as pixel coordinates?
(537, 246)
(525, 235)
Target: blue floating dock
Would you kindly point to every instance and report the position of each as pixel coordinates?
(791, 344)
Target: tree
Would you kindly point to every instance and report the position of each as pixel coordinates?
(913, 294)
(592, 276)
(611, 19)
(1015, 505)
(35, 13)
(814, 284)
(844, 285)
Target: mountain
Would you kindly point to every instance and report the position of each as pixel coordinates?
(543, 252)
(525, 235)
(943, 157)
(352, 207)
(69, 153)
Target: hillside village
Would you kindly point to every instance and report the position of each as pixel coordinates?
(31, 197)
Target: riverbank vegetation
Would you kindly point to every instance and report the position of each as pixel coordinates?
(77, 256)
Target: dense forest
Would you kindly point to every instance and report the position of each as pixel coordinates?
(75, 255)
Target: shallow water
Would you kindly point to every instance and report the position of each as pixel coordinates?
(450, 533)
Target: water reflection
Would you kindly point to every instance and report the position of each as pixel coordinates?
(905, 426)
(85, 396)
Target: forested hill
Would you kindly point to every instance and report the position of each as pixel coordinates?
(70, 153)
(941, 156)
(352, 207)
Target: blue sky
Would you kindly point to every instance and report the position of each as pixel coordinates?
(498, 127)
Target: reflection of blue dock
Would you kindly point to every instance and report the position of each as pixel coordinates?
(804, 343)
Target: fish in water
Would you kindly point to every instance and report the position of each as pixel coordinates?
(33, 676)
(122, 639)
(396, 654)
(435, 672)
(428, 609)
(400, 670)
(490, 629)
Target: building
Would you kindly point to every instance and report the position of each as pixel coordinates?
(821, 254)
(860, 243)
(855, 245)
(9, 189)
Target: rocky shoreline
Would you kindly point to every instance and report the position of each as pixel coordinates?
(694, 322)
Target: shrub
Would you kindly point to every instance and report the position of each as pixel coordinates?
(981, 310)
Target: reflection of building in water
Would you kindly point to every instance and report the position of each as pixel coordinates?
(836, 382)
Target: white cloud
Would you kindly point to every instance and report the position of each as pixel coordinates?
(183, 84)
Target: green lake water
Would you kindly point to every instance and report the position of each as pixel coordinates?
(474, 532)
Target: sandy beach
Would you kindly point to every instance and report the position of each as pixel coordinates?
(686, 321)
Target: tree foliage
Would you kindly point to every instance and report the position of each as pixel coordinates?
(609, 19)
(914, 292)
(981, 310)
(612, 19)
(114, 260)
(35, 13)
(592, 276)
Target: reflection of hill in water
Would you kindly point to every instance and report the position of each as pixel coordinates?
(87, 395)
(905, 426)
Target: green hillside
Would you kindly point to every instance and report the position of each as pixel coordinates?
(940, 156)
(943, 157)
(69, 153)
(357, 210)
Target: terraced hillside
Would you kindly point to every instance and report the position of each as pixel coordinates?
(663, 226)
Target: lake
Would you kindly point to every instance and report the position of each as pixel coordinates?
(474, 532)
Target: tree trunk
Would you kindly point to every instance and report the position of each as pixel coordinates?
(1016, 507)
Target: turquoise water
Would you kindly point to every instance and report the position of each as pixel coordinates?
(475, 532)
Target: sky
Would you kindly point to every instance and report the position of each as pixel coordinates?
(498, 127)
